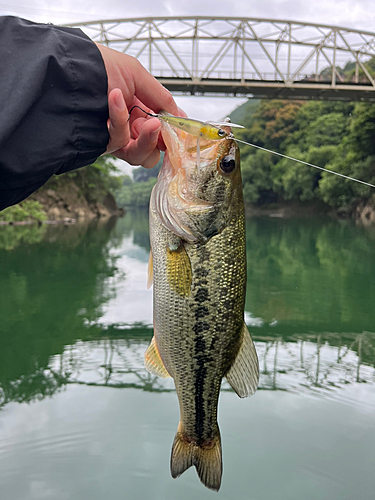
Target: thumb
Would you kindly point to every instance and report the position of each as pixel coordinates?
(118, 127)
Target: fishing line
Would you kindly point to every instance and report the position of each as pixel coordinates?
(304, 162)
(146, 112)
(267, 150)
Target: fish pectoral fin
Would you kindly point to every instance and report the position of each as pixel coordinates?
(150, 270)
(153, 362)
(179, 271)
(243, 375)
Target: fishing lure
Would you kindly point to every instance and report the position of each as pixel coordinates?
(213, 131)
(201, 130)
(206, 130)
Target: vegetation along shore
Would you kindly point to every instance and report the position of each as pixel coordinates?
(335, 135)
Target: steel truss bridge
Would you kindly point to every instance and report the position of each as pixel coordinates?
(249, 57)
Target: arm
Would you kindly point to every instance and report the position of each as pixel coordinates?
(54, 106)
(130, 84)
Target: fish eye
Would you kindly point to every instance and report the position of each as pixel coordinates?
(227, 164)
(221, 132)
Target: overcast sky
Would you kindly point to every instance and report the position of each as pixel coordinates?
(351, 13)
(358, 14)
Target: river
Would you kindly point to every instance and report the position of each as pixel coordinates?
(81, 419)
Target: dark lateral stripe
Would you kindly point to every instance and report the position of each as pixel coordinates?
(200, 349)
(201, 295)
(200, 377)
(201, 312)
(198, 328)
(201, 272)
(201, 359)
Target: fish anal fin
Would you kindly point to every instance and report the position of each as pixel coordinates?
(153, 361)
(243, 375)
(205, 457)
(179, 271)
(150, 270)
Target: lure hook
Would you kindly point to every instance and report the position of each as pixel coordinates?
(146, 112)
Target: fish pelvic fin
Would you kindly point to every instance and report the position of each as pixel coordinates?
(243, 375)
(153, 361)
(206, 458)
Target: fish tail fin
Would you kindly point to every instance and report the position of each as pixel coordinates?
(205, 457)
(182, 456)
(208, 463)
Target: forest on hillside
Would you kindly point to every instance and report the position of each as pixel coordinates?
(334, 135)
(339, 136)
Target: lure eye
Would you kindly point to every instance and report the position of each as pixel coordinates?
(227, 164)
(221, 132)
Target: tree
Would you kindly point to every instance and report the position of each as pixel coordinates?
(362, 130)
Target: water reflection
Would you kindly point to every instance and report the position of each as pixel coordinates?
(313, 274)
(321, 365)
(48, 291)
(75, 309)
(75, 320)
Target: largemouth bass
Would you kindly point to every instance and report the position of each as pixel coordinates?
(198, 269)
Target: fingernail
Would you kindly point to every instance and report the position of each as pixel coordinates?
(119, 101)
(155, 134)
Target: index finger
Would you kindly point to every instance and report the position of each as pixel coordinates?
(152, 93)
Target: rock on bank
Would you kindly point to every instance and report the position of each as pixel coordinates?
(66, 200)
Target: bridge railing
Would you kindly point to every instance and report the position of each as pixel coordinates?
(252, 76)
(229, 55)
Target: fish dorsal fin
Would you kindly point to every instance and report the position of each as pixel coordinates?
(150, 270)
(153, 362)
(243, 375)
(179, 271)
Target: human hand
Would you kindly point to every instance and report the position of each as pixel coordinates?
(136, 141)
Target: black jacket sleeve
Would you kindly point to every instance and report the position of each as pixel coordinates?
(53, 105)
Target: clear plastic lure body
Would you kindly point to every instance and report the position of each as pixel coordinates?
(206, 130)
(194, 127)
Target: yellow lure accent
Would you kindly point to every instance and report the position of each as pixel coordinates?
(207, 130)
(194, 127)
(153, 362)
(179, 271)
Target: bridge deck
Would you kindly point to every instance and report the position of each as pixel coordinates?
(269, 89)
(263, 58)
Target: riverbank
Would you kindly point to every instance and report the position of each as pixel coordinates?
(62, 201)
(56, 207)
(66, 201)
(65, 221)
(362, 213)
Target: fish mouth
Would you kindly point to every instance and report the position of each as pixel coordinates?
(178, 197)
(188, 160)
(186, 151)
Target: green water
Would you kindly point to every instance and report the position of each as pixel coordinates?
(81, 419)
